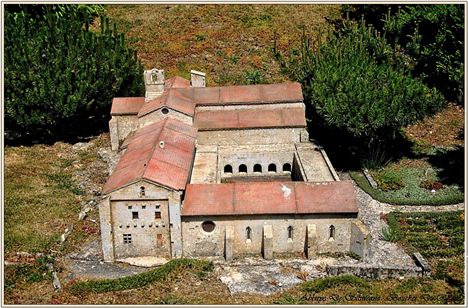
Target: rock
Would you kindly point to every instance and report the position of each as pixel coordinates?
(64, 236)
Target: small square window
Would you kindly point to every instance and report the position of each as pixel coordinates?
(157, 206)
(129, 207)
(157, 215)
(127, 238)
(143, 207)
(135, 215)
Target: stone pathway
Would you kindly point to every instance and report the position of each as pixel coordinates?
(256, 275)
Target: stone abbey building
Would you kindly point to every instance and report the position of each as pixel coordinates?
(222, 171)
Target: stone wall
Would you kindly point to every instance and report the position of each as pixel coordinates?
(250, 136)
(374, 271)
(117, 219)
(257, 164)
(160, 114)
(120, 127)
(148, 233)
(198, 243)
(360, 238)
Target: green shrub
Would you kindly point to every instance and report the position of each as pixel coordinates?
(254, 77)
(60, 77)
(198, 267)
(392, 232)
(451, 196)
(389, 179)
(355, 84)
(430, 35)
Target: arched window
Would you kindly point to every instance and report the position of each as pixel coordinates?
(287, 167)
(248, 233)
(142, 191)
(257, 168)
(228, 169)
(290, 232)
(243, 168)
(271, 168)
(332, 232)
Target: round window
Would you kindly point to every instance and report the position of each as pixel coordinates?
(165, 111)
(208, 226)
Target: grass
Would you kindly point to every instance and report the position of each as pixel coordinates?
(231, 43)
(404, 187)
(42, 196)
(198, 267)
(440, 238)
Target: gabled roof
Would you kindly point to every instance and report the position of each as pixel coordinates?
(186, 99)
(270, 198)
(175, 99)
(126, 105)
(145, 159)
(177, 82)
(249, 118)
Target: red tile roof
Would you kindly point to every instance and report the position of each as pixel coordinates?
(145, 159)
(185, 99)
(249, 118)
(269, 198)
(126, 105)
(176, 82)
(176, 99)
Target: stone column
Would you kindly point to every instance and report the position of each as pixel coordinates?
(107, 238)
(267, 242)
(311, 241)
(360, 238)
(175, 225)
(229, 243)
(114, 133)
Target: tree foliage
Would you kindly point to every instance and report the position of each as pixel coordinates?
(60, 76)
(355, 85)
(431, 35)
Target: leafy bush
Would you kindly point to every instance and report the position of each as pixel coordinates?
(355, 84)
(86, 12)
(431, 35)
(430, 184)
(60, 77)
(389, 179)
(254, 77)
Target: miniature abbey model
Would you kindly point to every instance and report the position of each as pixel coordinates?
(222, 171)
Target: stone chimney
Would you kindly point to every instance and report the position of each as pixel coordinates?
(154, 83)
(197, 79)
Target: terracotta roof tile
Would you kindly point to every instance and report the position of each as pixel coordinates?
(269, 198)
(249, 118)
(282, 92)
(236, 94)
(176, 82)
(145, 159)
(126, 105)
(185, 99)
(176, 99)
